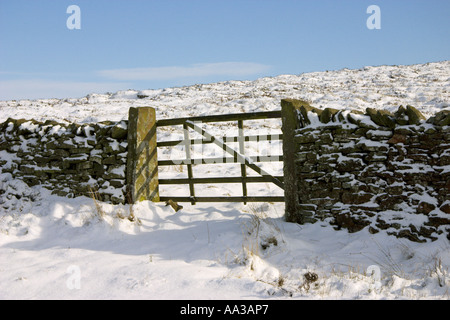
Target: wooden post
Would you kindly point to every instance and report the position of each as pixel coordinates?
(142, 160)
(187, 142)
(242, 151)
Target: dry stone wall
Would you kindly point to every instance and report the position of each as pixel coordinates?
(69, 159)
(376, 170)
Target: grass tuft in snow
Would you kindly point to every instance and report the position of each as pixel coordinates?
(99, 212)
(111, 213)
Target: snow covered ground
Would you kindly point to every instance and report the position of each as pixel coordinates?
(59, 248)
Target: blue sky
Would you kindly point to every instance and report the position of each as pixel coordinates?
(149, 44)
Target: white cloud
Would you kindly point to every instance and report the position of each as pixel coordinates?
(232, 69)
(38, 88)
(31, 87)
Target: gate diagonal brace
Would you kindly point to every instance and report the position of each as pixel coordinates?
(239, 156)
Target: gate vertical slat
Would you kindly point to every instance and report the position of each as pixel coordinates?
(189, 165)
(241, 150)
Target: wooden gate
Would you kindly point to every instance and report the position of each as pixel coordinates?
(233, 156)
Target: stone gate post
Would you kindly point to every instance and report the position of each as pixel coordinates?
(142, 160)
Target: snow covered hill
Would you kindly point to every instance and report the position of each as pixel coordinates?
(424, 86)
(59, 248)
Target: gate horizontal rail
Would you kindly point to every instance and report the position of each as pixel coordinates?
(222, 118)
(253, 138)
(226, 199)
(258, 179)
(222, 160)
